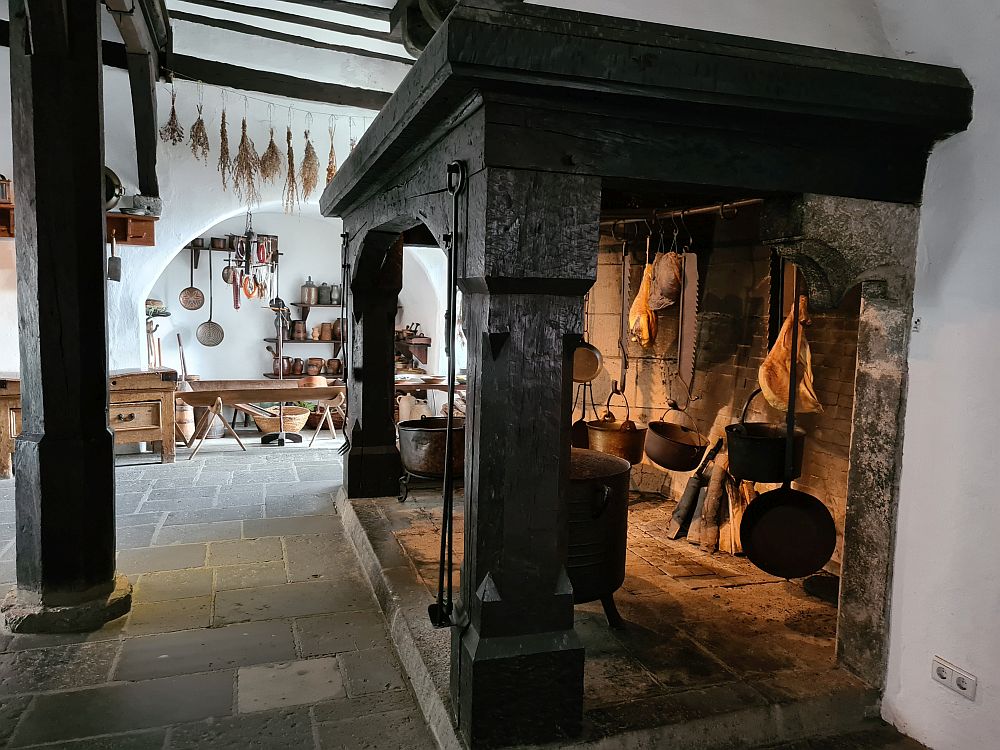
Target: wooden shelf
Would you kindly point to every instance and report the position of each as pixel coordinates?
(129, 229)
(303, 304)
(306, 308)
(307, 341)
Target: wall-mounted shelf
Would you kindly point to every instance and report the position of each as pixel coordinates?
(307, 341)
(306, 308)
(131, 230)
(7, 220)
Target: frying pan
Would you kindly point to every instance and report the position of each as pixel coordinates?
(786, 532)
(192, 298)
(210, 333)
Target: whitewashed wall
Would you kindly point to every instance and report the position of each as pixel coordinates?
(192, 193)
(946, 594)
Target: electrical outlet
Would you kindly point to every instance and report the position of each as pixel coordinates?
(953, 678)
(917, 325)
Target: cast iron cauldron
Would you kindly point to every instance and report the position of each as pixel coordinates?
(757, 449)
(598, 527)
(421, 446)
(673, 446)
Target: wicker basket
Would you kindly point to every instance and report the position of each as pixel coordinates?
(295, 418)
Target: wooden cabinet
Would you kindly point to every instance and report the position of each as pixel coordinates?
(141, 410)
(132, 230)
(6, 220)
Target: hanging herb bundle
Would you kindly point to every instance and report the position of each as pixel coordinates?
(331, 162)
(225, 160)
(290, 195)
(199, 137)
(309, 169)
(270, 161)
(246, 168)
(172, 132)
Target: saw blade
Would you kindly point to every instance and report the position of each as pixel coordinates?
(687, 329)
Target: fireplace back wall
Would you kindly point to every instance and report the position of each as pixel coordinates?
(732, 343)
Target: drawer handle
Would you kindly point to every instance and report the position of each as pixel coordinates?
(129, 418)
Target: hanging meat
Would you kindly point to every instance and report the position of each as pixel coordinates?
(641, 318)
(666, 287)
(774, 373)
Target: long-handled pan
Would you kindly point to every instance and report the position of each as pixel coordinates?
(786, 532)
(192, 298)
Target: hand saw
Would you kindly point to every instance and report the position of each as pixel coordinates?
(687, 328)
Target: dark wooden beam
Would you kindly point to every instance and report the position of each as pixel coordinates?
(276, 15)
(243, 28)
(64, 459)
(278, 84)
(142, 77)
(246, 79)
(143, 47)
(342, 6)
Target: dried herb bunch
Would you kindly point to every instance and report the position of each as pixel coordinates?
(246, 168)
(331, 162)
(290, 195)
(199, 138)
(225, 160)
(172, 132)
(270, 161)
(309, 169)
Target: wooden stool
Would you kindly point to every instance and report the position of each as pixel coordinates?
(330, 405)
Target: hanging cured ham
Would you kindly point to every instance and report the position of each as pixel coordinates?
(666, 286)
(641, 318)
(774, 373)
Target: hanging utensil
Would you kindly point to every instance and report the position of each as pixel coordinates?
(587, 358)
(180, 350)
(787, 532)
(687, 329)
(618, 386)
(192, 298)
(579, 432)
(441, 611)
(237, 283)
(114, 262)
(210, 333)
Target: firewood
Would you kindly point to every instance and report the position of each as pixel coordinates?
(713, 500)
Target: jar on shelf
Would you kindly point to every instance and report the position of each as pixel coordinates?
(323, 294)
(309, 293)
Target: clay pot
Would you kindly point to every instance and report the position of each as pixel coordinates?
(326, 332)
(297, 366)
(333, 367)
(298, 330)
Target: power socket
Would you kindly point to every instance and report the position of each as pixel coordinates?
(954, 678)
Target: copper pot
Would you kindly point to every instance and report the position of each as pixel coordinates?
(623, 438)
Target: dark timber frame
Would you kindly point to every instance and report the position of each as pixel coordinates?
(64, 458)
(546, 108)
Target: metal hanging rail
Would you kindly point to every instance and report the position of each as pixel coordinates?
(682, 213)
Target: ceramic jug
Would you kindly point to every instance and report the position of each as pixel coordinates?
(406, 403)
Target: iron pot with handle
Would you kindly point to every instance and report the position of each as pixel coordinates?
(757, 449)
(673, 446)
(624, 438)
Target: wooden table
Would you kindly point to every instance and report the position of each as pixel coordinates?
(217, 394)
(140, 410)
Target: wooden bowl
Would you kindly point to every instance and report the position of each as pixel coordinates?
(312, 381)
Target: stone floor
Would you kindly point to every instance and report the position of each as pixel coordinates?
(715, 653)
(252, 624)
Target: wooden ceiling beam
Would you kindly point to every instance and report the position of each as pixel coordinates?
(342, 6)
(145, 43)
(243, 28)
(293, 18)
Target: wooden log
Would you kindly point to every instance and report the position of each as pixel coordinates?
(713, 502)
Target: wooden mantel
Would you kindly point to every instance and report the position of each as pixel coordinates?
(707, 107)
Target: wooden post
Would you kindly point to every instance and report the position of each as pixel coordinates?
(517, 665)
(372, 468)
(64, 460)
